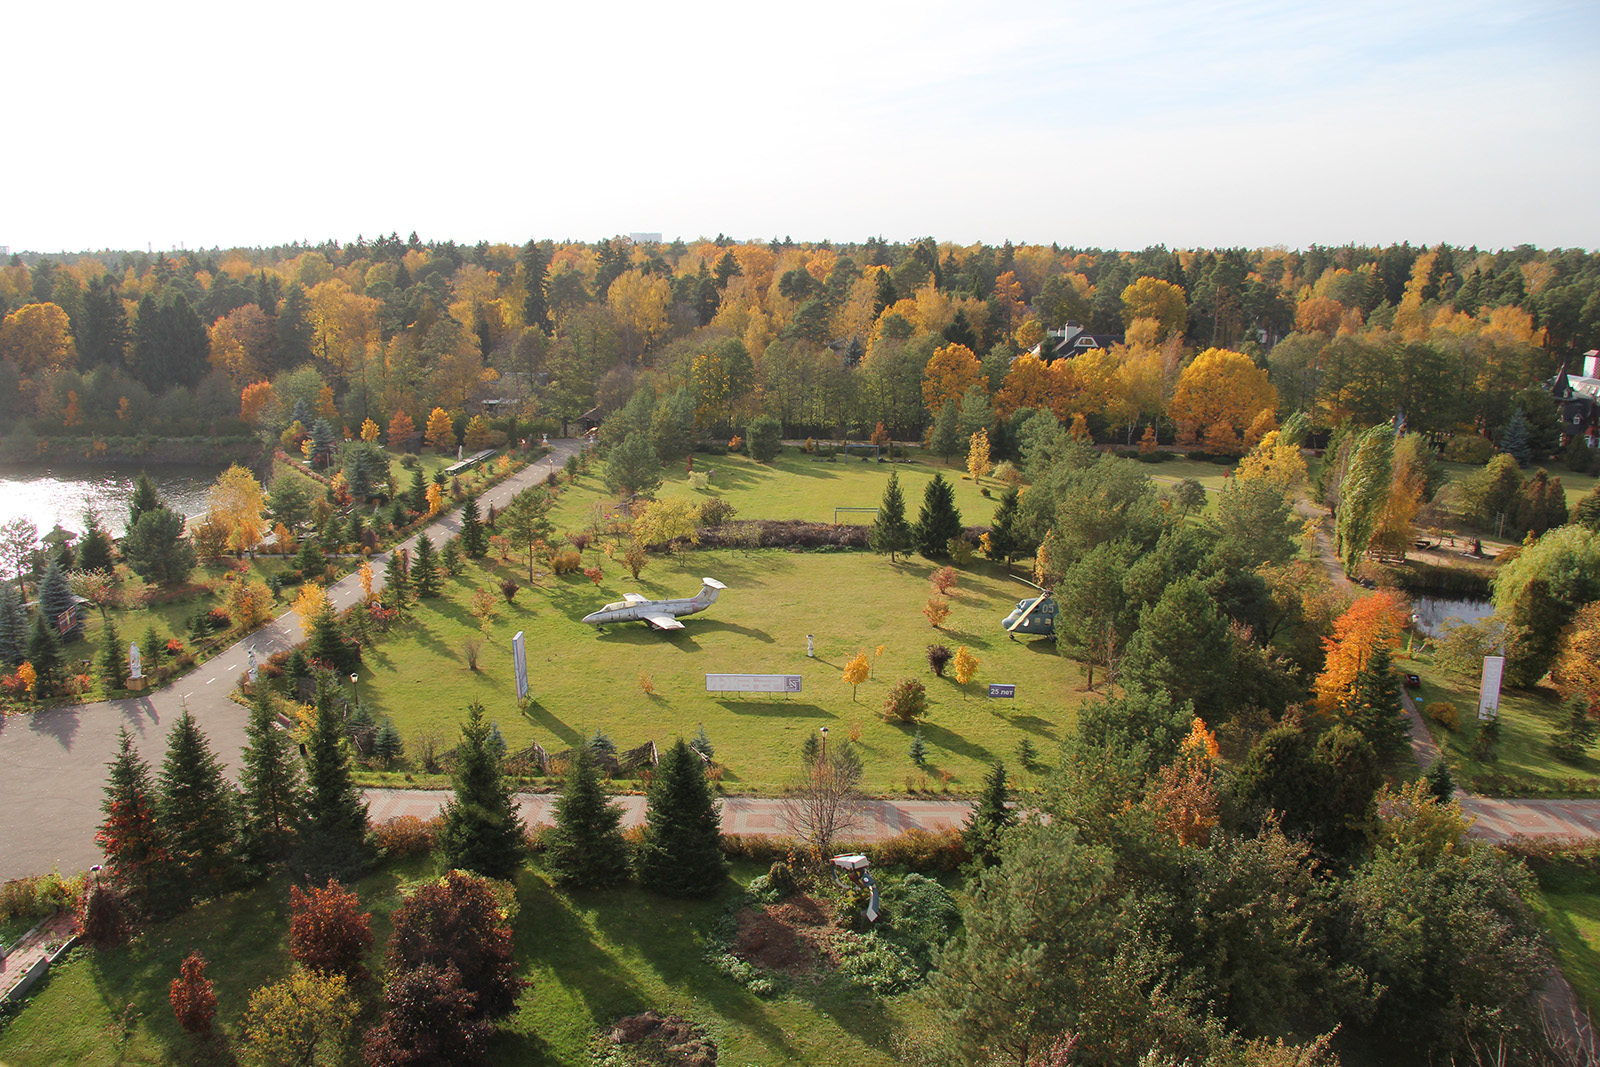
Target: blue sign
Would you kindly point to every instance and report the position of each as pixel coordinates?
(1008, 692)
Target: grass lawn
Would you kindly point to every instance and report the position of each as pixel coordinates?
(591, 958)
(794, 486)
(1527, 720)
(582, 680)
(1572, 920)
(1577, 486)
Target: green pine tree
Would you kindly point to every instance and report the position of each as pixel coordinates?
(986, 826)
(474, 539)
(945, 437)
(197, 812)
(95, 552)
(417, 495)
(890, 532)
(1440, 783)
(1005, 540)
(1514, 440)
(397, 579)
(113, 658)
(1374, 708)
(585, 850)
(333, 823)
(308, 561)
(270, 785)
(13, 628)
(152, 648)
(482, 830)
(44, 652)
(1577, 733)
(938, 523)
(919, 749)
(425, 569)
(450, 558)
(145, 499)
(55, 599)
(681, 855)
(136, 855)
(388, 746)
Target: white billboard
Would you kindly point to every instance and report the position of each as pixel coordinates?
(519, 660)
(1489, 688)
(752, 683)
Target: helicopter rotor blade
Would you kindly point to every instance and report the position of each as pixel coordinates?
(1024, 616)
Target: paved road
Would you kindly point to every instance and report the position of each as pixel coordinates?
(879, 819)
(52, 763)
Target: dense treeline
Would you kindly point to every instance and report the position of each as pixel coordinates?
(829, 339)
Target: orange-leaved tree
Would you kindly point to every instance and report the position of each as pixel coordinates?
(949, 374)
(1379, 618)
(401, 431)
(255, 400)
(440, 433)
(1221, 386)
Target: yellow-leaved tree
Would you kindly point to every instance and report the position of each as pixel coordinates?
(856, 671)
(310, 606)
(978, 456)
(1158, 300)
(1221, 387)
(1274, 461)
(369, 431)
(439, 434)
(965, 665)
(237, 504)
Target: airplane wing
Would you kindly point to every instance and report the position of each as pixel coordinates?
(661, 621)
(635, 598)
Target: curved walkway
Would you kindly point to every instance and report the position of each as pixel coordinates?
(52, 762)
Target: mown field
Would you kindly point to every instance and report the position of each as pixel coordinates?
(590, 958)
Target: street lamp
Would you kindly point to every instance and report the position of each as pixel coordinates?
(356, 688)
(824, 742)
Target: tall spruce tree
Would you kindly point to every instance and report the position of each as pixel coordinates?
(333, 822)
(113, 657)
(1514, 440)
(425, 569)
(984, 828)
(945, 435)
(13, 627)
(55, 599)
(891, 533)
(146, 498)
(474, 539)
(44, 653)
(197, 812)
(1374, 706)
(535, 279)
(397, 579)
(94, 554)
(482, 830)
(585, 850)
(270, 785)
(130, 837)
(1005, 539)
(938, 523)
(681, 855)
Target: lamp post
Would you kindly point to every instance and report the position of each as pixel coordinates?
(355, 687)
(824, 742)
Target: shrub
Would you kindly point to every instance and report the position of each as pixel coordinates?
(1444, 713)
(937, 610)
(939, 658)
(944, 580)
(960, 551)
(907, 701)
(920, 850)
(874, 963)
(760, 847)
(567, 561)
(407, 835)
(509, 589)
(716, 511)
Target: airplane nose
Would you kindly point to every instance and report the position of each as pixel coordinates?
(591, 617)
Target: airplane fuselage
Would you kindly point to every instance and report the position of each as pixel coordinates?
(658, 614)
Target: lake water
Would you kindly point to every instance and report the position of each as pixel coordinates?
(1434, 616)
(61, 493)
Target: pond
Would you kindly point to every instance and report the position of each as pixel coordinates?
(61, 493)
(1436, 615)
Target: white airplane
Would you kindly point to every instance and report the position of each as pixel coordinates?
(660, 614)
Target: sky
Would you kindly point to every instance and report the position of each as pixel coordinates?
(1112, 124)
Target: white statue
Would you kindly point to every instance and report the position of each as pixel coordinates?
(135, 665)
(252, 664)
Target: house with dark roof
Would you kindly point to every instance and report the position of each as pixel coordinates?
(1578, 396)
(1073, 340)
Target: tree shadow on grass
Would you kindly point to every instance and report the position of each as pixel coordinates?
(782, 709)
(662, 931)
(1036, 726)
(539, 715)
(953, 742)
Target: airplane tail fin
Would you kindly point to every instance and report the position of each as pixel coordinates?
(709, 589)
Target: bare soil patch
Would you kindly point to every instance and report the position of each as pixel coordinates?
(792, 938)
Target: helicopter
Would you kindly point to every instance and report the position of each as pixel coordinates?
(1034, 615)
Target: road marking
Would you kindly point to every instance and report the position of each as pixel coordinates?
(210, 680)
